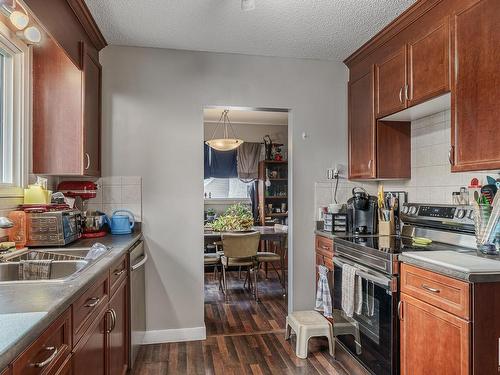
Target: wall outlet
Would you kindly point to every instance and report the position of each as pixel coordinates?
(330, 174)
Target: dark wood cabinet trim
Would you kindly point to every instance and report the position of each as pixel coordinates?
(88, 23)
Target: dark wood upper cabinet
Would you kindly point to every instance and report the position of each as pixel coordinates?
(91, 114)
(66, 113)
(390, 84)
(393, 149)
(429, 64)
(476, 93)
(362, 128)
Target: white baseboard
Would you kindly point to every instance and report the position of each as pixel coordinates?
(175, 335)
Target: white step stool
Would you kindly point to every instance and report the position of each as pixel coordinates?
(307, 324)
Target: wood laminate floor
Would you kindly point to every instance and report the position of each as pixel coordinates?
(243, 337)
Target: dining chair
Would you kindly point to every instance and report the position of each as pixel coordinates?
(240, 249)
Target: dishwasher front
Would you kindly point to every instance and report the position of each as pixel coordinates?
(138, 259)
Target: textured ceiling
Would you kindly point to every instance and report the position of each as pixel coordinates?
(321, 29)
(247, 117)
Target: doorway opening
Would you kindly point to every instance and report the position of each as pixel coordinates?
(247, 211)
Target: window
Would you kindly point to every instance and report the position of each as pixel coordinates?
(221, 188)
(14, 109)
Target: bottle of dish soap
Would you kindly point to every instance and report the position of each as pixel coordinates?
(17, 233)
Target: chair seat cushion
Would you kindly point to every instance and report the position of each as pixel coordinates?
(244, 262)
(264, 256)
(211, 259)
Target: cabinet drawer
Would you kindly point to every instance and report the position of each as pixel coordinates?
(88, 305)
(441, 291)
(49, 351)
(324, 245)
(117, 273)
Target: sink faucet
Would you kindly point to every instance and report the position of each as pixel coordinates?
(5, 223)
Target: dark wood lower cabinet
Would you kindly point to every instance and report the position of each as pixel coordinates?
(433, 341)
(118, 331)
(89, 356)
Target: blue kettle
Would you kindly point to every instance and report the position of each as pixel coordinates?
(121, 224)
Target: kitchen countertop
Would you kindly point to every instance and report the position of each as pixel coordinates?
(469, 266)
(26, 309)
(329, 235)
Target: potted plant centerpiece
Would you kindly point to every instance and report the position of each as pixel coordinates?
(237, 218)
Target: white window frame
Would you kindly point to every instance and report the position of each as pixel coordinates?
(20, 118)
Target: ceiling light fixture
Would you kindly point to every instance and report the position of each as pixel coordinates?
(247, 5)
(20, 20)
(225, 143)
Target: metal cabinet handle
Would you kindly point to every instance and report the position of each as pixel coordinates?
(400, 310)
(94, 303)
(451, 155)
(401, 95)
(325, 247)
(118, 273)
(370, 164)
(48, 360)
(112, 312)
(406, 92)
(140, 263)
(87, 156)
(433, 290)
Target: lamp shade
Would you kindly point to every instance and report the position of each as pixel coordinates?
(224, 144)
(19, 19)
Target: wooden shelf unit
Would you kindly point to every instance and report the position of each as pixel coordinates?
(279, 185)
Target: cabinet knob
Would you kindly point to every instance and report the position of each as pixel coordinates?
(87, 156)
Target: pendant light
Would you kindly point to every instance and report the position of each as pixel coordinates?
(225, 143)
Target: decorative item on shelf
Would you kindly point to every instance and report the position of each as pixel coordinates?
(237, 218)
(225, 143)
(210, 215)
(18, 16)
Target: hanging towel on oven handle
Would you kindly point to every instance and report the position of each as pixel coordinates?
(323, 296)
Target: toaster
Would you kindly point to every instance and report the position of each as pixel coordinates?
(53, 228)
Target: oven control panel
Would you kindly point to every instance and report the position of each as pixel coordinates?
(445, 214)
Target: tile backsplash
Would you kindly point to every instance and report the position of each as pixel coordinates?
(432, 180)
(118, 192)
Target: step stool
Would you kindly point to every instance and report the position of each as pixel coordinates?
(307, 324)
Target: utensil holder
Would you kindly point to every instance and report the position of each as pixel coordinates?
(387, 228)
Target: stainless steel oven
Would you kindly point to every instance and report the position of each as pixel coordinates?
(371, 336)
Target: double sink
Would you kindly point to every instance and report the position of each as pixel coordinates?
(66, 264)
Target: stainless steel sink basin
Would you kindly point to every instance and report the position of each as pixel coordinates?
(66, 264)
(60, 270)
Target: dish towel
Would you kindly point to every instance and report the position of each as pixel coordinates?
(323, 296)
(35, 269)
(248, 161)
(352, 291)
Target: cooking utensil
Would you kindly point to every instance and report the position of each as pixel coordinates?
(93, 221)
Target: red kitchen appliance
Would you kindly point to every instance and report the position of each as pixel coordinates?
(82, 191)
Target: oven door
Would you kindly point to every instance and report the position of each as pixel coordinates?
(371, 336)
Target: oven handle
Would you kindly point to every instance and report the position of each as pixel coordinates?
(373, 276)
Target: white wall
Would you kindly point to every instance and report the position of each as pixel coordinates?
(431, 178)
(153, 103)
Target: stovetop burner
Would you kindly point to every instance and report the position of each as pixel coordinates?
(398, 245)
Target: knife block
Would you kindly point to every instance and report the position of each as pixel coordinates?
(387, 228)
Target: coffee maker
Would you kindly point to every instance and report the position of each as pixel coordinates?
(362, 213)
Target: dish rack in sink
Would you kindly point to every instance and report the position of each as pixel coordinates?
(44, 255)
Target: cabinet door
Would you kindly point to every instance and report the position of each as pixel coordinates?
(57, 111)
(89, 356)
(361, 128)
(390, 84)
(118, 331)
(476, 94)
(429, 64)
(432, 341)
(91, 114)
